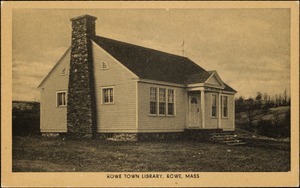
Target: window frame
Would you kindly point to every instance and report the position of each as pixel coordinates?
(66, 71)
(65, 99)
(168, 90)
(106, 64)
(222, 106)
(113, 95)
(216, 106)
(153, 114)
(166, 102)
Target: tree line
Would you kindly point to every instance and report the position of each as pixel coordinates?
(254, 109)
(262, 101)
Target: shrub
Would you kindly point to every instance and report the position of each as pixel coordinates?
(275, 128)
(25, 118)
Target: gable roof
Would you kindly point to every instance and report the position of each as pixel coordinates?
(53, 68)
(156, 65)
(151, 64)
(228, 88)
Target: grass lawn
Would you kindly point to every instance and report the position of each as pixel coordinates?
(39, 154)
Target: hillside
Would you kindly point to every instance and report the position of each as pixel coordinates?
(272, 122)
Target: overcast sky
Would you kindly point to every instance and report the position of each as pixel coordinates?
(249, 48)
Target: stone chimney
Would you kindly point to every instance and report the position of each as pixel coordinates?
(81, 106)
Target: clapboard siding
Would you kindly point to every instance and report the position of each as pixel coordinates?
(210, 122)
(228, 123)
(121, 115)
(150, 123)
(54, 119)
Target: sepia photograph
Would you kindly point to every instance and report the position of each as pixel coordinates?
(137, 93)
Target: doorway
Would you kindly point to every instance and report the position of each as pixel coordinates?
(194, 111)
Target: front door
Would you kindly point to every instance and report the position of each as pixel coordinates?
(194, 111)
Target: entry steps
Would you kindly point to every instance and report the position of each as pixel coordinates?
(226, 138)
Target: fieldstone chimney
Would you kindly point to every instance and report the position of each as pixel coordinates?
(81, 106)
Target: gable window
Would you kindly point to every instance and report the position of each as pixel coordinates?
(64, 71)
(170, 102)
(162, 101)
(61, 99)
(213, 105)
(104, 66)
(153, 100)
(108, 95)
(224, 106)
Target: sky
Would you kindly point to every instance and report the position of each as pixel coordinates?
(249, 48)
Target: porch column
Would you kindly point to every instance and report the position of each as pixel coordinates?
(202, 98)
(219, 111)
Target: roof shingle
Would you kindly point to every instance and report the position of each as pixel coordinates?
(150, 64)
(156, 65)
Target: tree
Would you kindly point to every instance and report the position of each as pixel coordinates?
(266, 96)
(258, 96)
(284, 98)
(239, 104)
(251, 106)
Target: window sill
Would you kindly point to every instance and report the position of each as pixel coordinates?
(170, 115)
(108, 103)
(160, 115)
(213, 117)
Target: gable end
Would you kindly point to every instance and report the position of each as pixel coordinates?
(56, 65)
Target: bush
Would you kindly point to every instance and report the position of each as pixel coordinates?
(25, 118)
(275, 128)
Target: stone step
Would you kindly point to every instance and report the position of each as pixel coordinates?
(232, 141)
(223, 136)
(226, 138)
(235, 144)
(223, 139)
(222, 133)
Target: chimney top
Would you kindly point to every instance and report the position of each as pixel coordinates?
(84, 16)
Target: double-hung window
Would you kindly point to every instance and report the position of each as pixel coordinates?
(214, 106)
(108, 95)
(61, 99)
(153, 100)
(162, 101)
(170, 102)
(224, 106)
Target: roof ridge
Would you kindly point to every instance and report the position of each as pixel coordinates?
(136, 45)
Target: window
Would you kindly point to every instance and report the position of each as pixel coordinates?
(104, 66)
(162, 101)
(61, 99)
(108, 95)
(224, 106)
(170, 102)
(64, 71)
(214, 106)
(153, 100)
